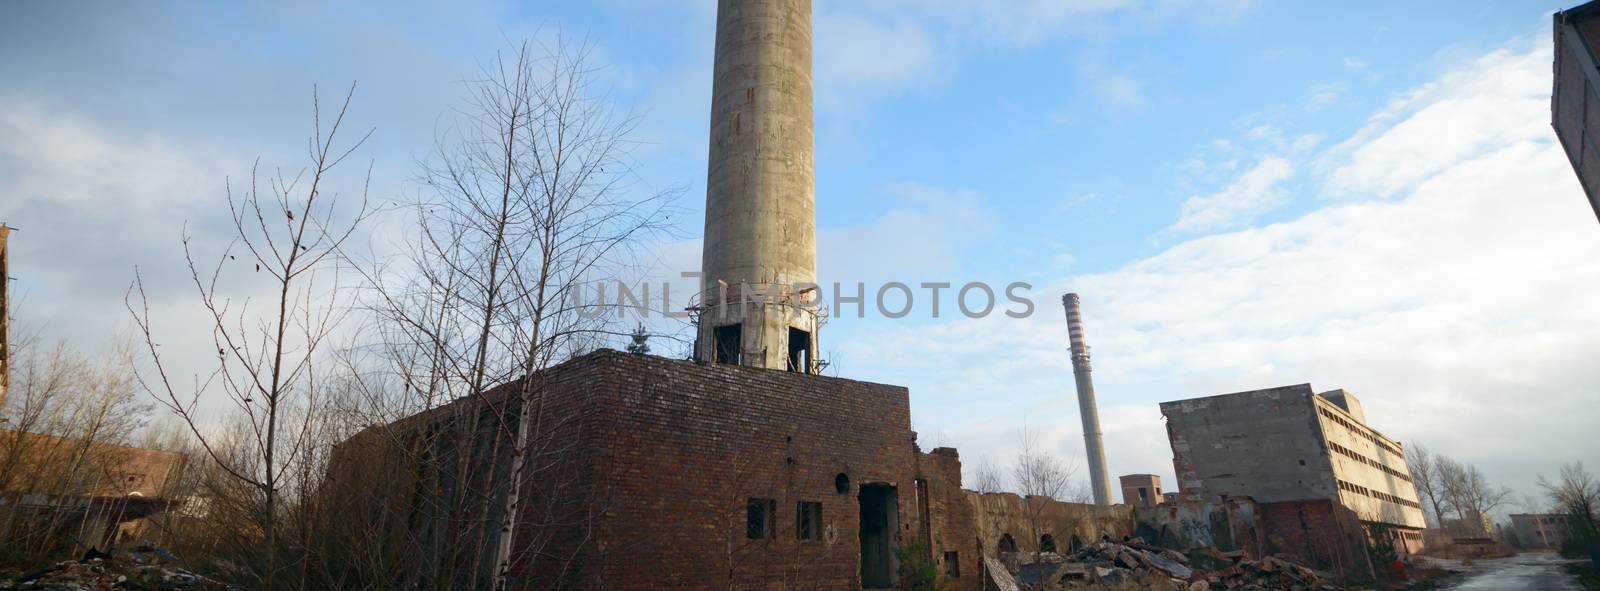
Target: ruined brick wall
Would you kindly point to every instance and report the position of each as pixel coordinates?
(951, 526)
(687, 445)
(1025, 522)
(654, 464)
(1318, 533)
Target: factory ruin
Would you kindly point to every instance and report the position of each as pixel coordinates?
(743, 468)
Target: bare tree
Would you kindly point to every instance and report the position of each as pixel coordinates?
(1469, 493)
(1577, 494)
(1040, 473)
(530, 198)
(292, 231)
(986, 476)
(1425, 475)
(66, 414)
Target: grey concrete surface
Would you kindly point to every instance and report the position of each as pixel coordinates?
(1541, 572)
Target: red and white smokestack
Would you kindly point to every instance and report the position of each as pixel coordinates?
(1099, 476)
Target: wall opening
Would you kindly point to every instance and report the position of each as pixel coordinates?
(878, 525)
(1074, 545)
(728, 341)
(952, 565)
(758, 518)
(1007, 544)
(1047, 543)
(799, 350)
(807, 520)
(841, 483)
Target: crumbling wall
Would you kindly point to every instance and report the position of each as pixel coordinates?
(952, 532)
(1231, 525)
(652, 468)
(1026, 521)
(1321, 534)
(1261, 444)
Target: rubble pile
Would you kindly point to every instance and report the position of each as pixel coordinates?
(146, 568)
(1135, 563)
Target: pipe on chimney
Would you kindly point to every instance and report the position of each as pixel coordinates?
(1099, 479)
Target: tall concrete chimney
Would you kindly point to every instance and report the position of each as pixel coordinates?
(1099, 479)
(760, 253)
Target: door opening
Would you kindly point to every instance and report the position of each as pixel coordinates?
(878, 525)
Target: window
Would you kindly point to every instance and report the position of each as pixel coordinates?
(952, 565)
(807, 520)
(758, 518)
(1144, 496)
(1047, 543)
(799, 351)
(728, 343)
(1007, 544)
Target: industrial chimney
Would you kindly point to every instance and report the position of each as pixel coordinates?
(759, 266)
(1099, 480)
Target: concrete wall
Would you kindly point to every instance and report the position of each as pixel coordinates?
(1227, 526)
(1261, 444)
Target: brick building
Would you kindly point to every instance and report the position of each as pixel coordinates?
(1327, 483)
(672, 474)
(1141, 490)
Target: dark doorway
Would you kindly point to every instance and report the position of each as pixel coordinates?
(728, 342)
(799, 350)
(1007, 544)
(878, 523)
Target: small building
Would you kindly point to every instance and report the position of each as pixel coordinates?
(1141, 490)
(1325, 480)
(1541, 530)
(668, 474)
(1168, 498)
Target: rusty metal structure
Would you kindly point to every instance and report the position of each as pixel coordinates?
(1093, 446)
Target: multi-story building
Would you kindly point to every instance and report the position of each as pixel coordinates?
(1541, 530)
(1314, 453)
(1141, 490)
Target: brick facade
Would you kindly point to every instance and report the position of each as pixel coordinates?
(654, 465)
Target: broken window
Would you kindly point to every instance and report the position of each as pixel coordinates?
(1144, 497)
(1007, 544)
(952, 565)
(728, 343)
(758, 518)
(807, 520)
(841, 483)
(1047, 543)
(799, 350)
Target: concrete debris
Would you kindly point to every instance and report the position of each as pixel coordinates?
(997, 575)
(145, 568)
(1108, 564)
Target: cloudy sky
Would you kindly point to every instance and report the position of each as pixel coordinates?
(1355, 195)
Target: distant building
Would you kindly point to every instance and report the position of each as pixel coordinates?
(1168, 498)
(1308, 458)
(1541, 530)
(1141, 490)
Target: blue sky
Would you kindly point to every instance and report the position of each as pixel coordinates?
(1247, 194)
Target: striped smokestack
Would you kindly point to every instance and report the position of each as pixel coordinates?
(1099, 480)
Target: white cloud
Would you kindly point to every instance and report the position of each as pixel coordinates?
(1476, 108)
(1120, 91)
(856, 54)
(1252, 193)
(1324, 96)
(1452, 291)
